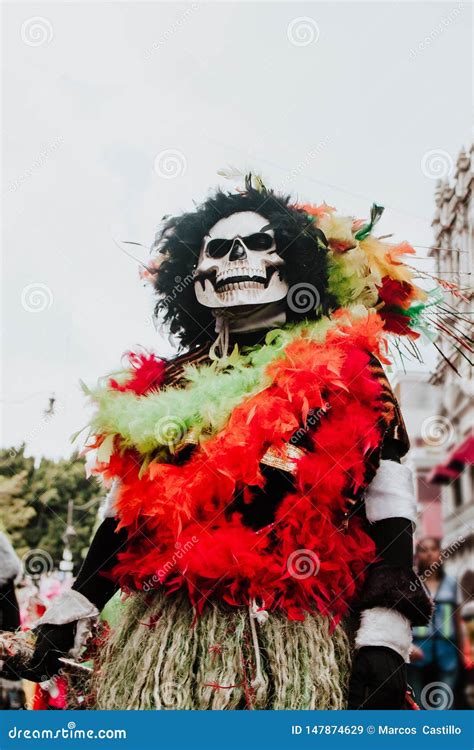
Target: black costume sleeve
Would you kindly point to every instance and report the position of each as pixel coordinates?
(9, 610)
(93, 580)
(393, 537)
(391, 581)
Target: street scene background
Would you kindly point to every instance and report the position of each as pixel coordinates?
(116, 115)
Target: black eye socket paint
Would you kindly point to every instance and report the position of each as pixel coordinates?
(218, 248)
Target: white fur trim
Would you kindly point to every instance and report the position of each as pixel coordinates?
(10, 565)
(381, 626)
(69, 606)
(391, 494)
(108, 509)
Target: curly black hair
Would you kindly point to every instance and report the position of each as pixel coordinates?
(298, 241)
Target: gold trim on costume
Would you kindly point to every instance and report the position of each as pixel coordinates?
(283, 457)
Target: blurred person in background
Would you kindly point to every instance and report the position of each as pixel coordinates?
(467, 617)
(435, 654)
(11, 693)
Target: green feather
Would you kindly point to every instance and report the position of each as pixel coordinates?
(375, 214)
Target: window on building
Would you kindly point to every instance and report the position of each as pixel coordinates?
(457, 492)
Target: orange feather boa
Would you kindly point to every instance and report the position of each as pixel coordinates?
(179, 533)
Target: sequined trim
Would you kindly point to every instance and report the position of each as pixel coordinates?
(283, 457)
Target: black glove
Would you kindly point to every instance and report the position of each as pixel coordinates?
(378, 679)
(52, 642)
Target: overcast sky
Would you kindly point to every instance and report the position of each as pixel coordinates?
(115, 114)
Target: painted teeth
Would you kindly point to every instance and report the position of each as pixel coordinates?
(242, 272)
(241, 285)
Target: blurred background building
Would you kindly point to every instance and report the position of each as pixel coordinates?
(439, 408)
(419, 401)
(453, 225)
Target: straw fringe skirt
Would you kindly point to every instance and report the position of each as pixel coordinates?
(157, 658)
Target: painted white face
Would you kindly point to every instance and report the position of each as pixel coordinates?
(238, 263)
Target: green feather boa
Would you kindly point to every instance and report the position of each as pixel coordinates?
(160, 420)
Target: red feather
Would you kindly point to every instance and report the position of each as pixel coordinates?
(180, 535)
(147, 373)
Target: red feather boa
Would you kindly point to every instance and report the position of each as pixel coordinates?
(178, 533)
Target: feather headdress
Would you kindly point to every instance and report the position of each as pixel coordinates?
(360, 269)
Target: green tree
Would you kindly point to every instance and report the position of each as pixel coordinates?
(34, 501)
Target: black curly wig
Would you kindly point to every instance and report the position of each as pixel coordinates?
(298, 241)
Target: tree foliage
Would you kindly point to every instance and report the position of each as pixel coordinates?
(34, 500)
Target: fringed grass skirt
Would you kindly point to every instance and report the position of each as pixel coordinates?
(158, 658)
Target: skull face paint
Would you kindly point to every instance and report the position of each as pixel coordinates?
(238, 263)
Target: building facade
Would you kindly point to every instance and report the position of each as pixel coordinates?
(453, 417)
(419, 400)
